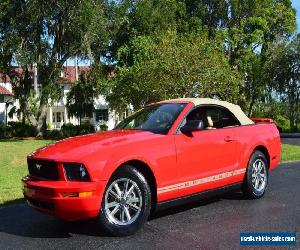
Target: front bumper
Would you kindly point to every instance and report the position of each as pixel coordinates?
(47, 197)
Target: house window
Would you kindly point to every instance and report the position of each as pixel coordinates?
(58, 117)
(53, 117)
(124, 114)
(1, 98)
(101, 115)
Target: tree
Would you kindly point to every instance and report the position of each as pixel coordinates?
(286, 70)
(130, 19)
(248, 28)
(245, 28)
(47, 34)
(171, 66)
(80, 99)
(251, 30)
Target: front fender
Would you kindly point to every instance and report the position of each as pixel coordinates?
(116, 161)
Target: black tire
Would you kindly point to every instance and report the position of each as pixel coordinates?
(249, 186)
(112, 225)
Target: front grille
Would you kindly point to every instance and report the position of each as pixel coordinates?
(40, 204)
(43, 169)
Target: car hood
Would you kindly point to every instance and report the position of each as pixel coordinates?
(75, 148)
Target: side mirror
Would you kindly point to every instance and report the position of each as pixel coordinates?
(192, 125)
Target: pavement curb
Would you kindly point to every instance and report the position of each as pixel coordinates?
(295, 161)
(289, 135)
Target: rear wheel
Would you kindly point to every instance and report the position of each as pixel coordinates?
(256, 179)
(126, 202)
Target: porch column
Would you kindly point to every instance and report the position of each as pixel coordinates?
(65, 114)
(50, 117)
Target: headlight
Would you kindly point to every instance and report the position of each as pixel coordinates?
(76, 172)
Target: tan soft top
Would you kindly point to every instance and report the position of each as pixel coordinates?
(235, 109)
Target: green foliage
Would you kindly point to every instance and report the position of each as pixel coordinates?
(157, 49)
(80, 99)
(5, 132)
(19, 129)
(53, 134)
(69, 129)
(283, 123)
(144, 17)
(285, 66)
(103, 127)
(246, 29)
(250, 31)
(170, 66)
(47, 34)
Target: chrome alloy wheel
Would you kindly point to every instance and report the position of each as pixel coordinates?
(259, 175)
(123, 202)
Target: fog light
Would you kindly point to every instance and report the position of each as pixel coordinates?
(85, 194)
(75, 194)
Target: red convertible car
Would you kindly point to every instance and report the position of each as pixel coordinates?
(168, 153)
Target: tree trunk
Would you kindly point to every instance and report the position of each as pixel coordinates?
(41, 122)
(26, 112)
(293, 119)
(251, 106)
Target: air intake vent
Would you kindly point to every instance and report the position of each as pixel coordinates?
(43, 169)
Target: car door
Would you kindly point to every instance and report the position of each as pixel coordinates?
(207, 158)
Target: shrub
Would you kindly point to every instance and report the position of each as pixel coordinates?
(20, 129)
(85, 129)
(68, 130)
(53, 134)
(2, 131)
(282, 123)
(103, 127)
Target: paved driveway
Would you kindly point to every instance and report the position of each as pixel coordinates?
(214, 224)
(292, 141)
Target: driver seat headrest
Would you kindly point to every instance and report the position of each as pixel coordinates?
(210, 124)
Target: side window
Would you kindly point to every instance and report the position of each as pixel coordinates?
(221, 117)
(101, 115)
(213, 117)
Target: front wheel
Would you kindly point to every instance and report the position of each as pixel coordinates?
(256, 179)
(126, 202)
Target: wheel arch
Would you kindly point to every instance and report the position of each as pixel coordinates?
(265, 151)
(147, 172)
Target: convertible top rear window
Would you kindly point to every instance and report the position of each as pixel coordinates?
(157, 118)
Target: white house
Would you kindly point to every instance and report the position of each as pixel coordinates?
(6, 99)
(57, 113)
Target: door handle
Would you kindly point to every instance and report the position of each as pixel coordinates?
(228, 139)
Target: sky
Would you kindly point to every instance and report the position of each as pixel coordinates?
(296, 5)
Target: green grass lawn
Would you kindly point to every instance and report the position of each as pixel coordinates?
(13, 164)
(290, 152)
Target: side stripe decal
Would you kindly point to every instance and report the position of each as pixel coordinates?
(212, 178)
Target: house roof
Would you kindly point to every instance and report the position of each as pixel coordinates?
(4, 91)
(235, 109)
(69, 73)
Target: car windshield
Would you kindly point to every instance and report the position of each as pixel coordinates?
(157, 118)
